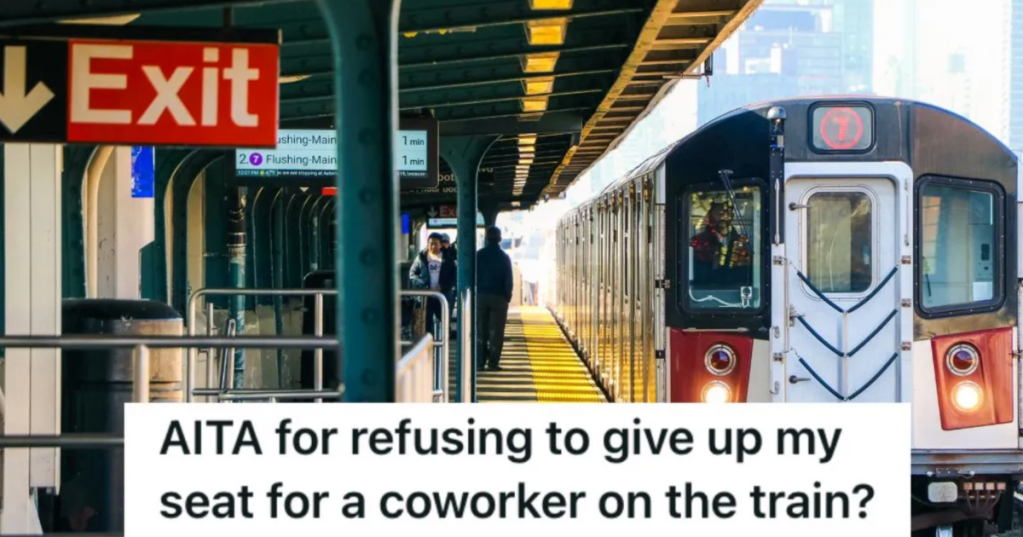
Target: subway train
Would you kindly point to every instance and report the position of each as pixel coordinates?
(831, 249)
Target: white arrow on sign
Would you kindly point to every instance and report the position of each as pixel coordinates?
(17, 107)
(303, 188)
(432, 212)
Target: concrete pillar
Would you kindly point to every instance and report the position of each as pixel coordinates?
(32, 257)
(124, 225)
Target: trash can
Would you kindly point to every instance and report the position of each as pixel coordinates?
(96, 384)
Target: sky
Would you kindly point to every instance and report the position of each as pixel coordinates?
(980, 31)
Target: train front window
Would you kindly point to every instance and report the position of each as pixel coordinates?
(724, 251)
(960, 251)
(839, 243)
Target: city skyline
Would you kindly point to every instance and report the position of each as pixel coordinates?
(941, 55)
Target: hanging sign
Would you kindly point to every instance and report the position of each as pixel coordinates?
(309, 157)
(138, 92)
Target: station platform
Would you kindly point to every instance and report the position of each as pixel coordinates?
(538, 365)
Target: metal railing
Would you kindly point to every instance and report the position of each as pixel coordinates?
(443, 390)
(317, 393)
(465, 351)
(415, 373)
(141, 346)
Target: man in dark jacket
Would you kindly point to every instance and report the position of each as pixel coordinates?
(494, 292)
(434, 271)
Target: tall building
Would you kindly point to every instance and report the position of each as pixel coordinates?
(792, 48)
(1016, 78)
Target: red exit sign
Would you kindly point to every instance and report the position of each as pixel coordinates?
(161, 93)
(140, 91)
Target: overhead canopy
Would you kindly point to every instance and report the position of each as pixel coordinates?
(558, 80)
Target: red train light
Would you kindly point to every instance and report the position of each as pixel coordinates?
(963, 359)
(720, 360)
(967, 396)
(716, 392)
(973, 376)
(708, 367)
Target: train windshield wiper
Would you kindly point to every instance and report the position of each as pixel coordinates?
(726, 180)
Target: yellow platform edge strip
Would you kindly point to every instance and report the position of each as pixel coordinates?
(558, 373)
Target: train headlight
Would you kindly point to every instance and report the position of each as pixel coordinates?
(967, 396)
(716, 392)
(962, 359)
(720, 360)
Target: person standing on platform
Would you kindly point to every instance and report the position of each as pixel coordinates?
(450, 254)
(449, 250)
(494, 291)
(434, 271)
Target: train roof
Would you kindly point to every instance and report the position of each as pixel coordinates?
(658, 158)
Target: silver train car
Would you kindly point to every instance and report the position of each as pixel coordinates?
(833, 249)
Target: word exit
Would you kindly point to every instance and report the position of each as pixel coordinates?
(140, 92)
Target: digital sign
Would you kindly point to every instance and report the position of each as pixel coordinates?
(309, 158)
(843, 128)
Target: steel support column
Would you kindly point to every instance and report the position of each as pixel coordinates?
(278, 276)
(464, 155)
(364, 40)
(236, 271)
(489, 216)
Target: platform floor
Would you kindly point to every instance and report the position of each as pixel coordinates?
(538, 365)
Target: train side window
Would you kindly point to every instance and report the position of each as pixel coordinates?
(960, 254)
(839, 242)
(722, 245)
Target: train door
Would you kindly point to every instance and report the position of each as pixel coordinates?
(845, 237)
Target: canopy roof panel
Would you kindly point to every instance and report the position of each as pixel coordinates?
(559, 80)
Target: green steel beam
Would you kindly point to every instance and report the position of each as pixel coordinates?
(483, 80)
(302, 230)
(277, 240)
(19, 13)
(167, 162)
(215, 200)
(552, 121)
(556, 105)
(509, 55)
(464, 154)
(364, 43)
(181, 183)
(293, 240)
(320, 92)
(487, 16)
(413, 80)
(76, 165)
(262, 241)
(234, 239)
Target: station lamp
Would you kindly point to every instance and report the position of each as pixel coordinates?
(539, 85)
(540, 62)
(547, 31)
(538, 5)
(292, 79)
(118, 20)
(534, 104)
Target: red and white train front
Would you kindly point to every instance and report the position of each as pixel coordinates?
(828, 250)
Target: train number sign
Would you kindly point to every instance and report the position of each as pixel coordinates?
(842, 128)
